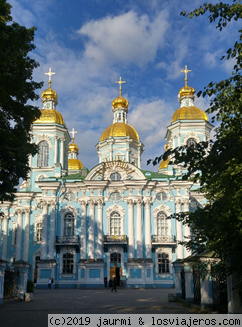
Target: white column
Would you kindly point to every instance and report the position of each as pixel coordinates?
(19, 236)
(62, 152)
(179, 232)
(139, 241)
(52, 230)
(26, 236)
(5, 237)
(187, 231)
(91, 231)
(147, 231)
(127, 153)
(56, 149)
(131, 229)
(83, 255)
(100, 230)
(43, 247)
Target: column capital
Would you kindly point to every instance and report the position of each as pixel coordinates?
(91, 203)
(82, 202)
(138, 202)
(147, 203)
(130, 202)
(100, 203)
(62, 139)
(53, 204)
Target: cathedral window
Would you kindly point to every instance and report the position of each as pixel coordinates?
(162, 227)
(115, 257)
(163, 263)
(115, 223)
(115, 177)
(161, 196)
(38, 232)
(43, 154)
(68, 225)
(67, 263)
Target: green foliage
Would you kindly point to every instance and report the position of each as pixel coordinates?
(30, 286)
(16, 114)
(217, 165)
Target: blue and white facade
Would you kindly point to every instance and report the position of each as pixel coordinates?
(107, 221)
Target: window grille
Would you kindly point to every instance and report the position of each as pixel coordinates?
(163, 263)
(43, 155)
(162, 227)
(68, 225)
(115, 223)
(67, 263)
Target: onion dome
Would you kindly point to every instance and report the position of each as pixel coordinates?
(120, 102)
(49, 94)
(189, 113)
(73, 147)
(74, 164)
(186, 91)
(49, 117)
(120, 130)
(164, 163)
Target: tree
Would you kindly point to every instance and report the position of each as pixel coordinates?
(16, 90)
(217, 165)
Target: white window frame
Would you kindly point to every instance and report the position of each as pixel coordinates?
(167, 251)
(63, 212)
(121, 212)
(167, 211)
(43, 154)
(38, 220)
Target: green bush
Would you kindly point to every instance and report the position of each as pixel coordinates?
(30, 286)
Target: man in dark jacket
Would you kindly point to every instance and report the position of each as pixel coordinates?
(114, 284)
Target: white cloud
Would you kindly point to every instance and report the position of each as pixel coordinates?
(126, 39)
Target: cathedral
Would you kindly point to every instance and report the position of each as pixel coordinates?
(79, 225)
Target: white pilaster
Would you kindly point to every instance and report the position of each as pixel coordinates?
(179, 232)
(131, 229)
(62, 152)
(52, 230)
(26, 236)
(91, 231)
(139, 241)
(100, 230)
(43, 248)
(56, 149)
(19, 236)
(147, 230)
(5, 237)
(83, 231)
(187, 230)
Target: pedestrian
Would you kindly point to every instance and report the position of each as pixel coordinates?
(52, 281)
(105, 281)
(49, 284)
(114, 284)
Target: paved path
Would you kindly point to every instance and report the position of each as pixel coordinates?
(98, 301)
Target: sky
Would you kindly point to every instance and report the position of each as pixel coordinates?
(89, 44)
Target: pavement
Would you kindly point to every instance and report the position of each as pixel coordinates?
(88, 301)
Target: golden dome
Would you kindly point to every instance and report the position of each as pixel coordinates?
(49, 94)
(186, 91)
(189, 113)
(50, 116)
(164, 164)
(74, 164)
(120, 102)
(119, 130)
(73, 148)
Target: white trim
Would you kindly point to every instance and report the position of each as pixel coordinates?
(63, 212)
(167, 211)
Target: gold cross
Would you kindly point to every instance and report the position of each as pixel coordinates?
(185, 71)
(120, 82)
(50, 73)
(73, 132)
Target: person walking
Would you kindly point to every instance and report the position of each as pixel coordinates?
(105, 281)
(114, 284)
(49, 284)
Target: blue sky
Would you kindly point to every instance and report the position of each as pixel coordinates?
(89, 44)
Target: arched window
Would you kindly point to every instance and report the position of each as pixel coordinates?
(115, 257)
(68, 225)
(191, 142)
(43, 154)
(115, 223)
(163, 263)
(115, 177)
(119, 116)
(67, 263)
(162, 226)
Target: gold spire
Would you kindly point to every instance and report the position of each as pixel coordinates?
(185, 71)
(120, 82)
(49, 93)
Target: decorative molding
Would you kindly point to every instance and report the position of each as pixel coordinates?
(46, 138)
(189, 135)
